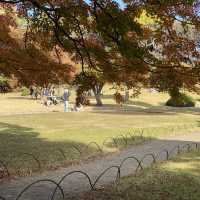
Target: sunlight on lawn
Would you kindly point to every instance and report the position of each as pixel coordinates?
(172, 180)
(186, 164)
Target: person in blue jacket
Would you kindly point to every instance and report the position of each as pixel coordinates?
(66, 100)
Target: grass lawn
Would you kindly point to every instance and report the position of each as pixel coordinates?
(52, 136)
(178, 179)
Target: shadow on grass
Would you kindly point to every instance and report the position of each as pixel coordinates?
(139, 103)
(129, 102)
(129, 110)
(19, 144)
(146, 109)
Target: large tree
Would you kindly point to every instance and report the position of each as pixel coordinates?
(109, 39)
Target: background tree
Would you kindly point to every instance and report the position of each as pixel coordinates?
(90, 81)
(176, 47)
(103, 37)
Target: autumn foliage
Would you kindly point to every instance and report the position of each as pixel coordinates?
(103, 37)
(27, 62)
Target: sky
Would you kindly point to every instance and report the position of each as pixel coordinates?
(120, 2)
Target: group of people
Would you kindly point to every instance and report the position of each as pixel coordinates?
(35, 92)
(3, 89)
(49, 92)
(48, 97)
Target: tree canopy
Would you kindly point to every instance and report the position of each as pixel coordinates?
(104, 37)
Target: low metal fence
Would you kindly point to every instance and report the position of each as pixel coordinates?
(154, 158)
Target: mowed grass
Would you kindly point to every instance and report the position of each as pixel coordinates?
(56, 138)
(178, 179)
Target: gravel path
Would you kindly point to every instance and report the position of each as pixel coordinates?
(78, 183)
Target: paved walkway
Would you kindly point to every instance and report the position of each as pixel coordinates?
(78, 183)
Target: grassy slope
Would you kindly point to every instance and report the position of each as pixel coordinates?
(178, 179)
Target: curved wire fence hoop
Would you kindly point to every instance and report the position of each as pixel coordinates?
(76, 148)
(163, 151)
(115, 142)
(118, 176)
(186, 145)
(95, 144)
(194, 146)
(149, 155)
(39, 181)
(131, 136)
(132, 158)
(123, 138)
(175, 148)
(69, 174)
(33, 157)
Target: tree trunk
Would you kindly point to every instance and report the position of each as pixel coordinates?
(174, 92)
(126, 97)
(98, 100)
(97, 93)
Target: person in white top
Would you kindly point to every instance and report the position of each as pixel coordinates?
(66, 100)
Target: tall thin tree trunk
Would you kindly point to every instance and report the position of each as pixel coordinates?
(126, 97)
(97, 93)
(98, 99)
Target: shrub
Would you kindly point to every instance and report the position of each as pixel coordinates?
(3, 80)
(182, 100)
(25, 91)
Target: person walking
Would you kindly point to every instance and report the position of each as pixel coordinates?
(45, 92)
(53, 92)
(66, 100)
(36, 93)
(31, 91)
